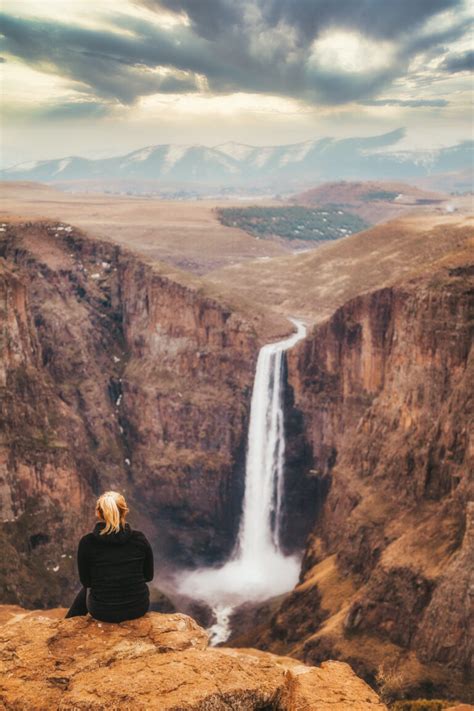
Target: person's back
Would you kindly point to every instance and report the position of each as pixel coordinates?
(115, 562)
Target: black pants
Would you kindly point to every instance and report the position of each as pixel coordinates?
(82, 605)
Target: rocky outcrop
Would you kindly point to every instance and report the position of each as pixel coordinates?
(157, 662)
(385, 388)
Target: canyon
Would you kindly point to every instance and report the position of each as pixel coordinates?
(385, 387)
(119, 371)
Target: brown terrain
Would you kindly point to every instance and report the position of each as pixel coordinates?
(113, 374)
(184, 234)
(385, 389)
(159, 662)
(312, 285)
(119, 370)
(355, 197)
(457, 182)
(188, 234)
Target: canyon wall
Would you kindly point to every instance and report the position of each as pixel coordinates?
(385, 389)
(113, 375)
(184, 400)
(118, 373)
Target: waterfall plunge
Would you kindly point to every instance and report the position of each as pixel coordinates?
(257, 568)
(260, 525)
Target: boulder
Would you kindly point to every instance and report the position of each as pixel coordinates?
(160, 662)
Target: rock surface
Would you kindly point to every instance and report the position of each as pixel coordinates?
(157, 662)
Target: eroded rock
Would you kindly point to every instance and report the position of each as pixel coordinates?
(157, 662)
(385, 387)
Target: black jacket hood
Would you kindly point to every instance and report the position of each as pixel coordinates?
(112, 538)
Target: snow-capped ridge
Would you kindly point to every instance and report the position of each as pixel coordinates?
(28, 165)
(238, 151)
(233, 163)
(141, 154)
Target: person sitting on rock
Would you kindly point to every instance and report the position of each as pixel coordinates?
(115, 563)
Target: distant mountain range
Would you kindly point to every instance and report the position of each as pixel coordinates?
(237, 164)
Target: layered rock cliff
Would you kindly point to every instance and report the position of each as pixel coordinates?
(113, 374)
(385, 388)
(160, 662)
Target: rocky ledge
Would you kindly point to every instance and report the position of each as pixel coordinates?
(157, 662)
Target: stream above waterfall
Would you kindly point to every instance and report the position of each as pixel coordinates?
(257, 569)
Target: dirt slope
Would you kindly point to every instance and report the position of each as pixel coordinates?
(311, 286)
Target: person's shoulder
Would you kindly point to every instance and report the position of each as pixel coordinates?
(86, 539)
(139, 536)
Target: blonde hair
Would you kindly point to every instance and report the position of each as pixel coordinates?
(112, 508)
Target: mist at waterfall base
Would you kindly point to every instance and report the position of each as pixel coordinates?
(257, 568)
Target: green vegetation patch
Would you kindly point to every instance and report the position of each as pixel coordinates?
(293, 222)
(386, 195)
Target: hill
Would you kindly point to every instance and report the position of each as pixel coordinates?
(374, 201)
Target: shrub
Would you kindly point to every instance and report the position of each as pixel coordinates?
(421, 705)
(293, 222)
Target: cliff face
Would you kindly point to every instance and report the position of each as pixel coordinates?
(113, 375)
(116, 373)
(53, 417)
(183, 403)
(157, 662)
(385, 388)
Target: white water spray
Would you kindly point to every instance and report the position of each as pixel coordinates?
(257, 569)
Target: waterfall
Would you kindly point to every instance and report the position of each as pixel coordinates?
(257, 568)
(259, 532)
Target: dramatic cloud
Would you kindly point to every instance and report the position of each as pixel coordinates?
(309, 17)
(75, 110)
(125, 74)
(316, 51)
(111, 64)
(458, 62)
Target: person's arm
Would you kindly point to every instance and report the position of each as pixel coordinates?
(148, 568)
(83, 563)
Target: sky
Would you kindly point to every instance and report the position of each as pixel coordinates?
(103, 77)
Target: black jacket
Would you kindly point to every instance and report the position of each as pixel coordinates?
(116, 568)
